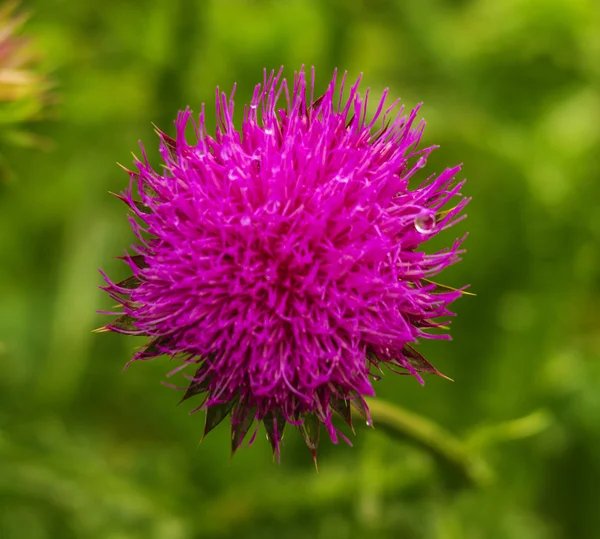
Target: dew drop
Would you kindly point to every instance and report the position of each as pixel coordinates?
(421, 162)
(425, 223)
(272, 206)
(245, 221)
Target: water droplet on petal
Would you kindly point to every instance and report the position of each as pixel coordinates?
(425, 223)
(421, 162)
(245, 221)
(272, 206)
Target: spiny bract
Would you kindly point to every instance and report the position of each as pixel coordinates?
(281, 261)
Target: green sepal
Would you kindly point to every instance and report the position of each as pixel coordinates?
(138, 260)
(170, 143)
(359, 405)
(441, 215)
(311, 430)
(342, 408)
(215, 414)
(274, 423)
(151, 349)
(130, 283)
(240, 426)
(140, 206)
(195, 388)
(125, 322)
(419, 363)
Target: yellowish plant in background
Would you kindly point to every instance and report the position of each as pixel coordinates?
(23, 87)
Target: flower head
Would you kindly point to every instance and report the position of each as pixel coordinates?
(282, 261)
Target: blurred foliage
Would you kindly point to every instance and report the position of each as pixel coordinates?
(510, 89)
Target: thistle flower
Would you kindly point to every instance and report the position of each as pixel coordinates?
(282, 262)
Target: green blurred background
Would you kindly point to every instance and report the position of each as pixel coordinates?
(511, 89)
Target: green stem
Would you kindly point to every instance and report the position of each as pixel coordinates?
(446, 448)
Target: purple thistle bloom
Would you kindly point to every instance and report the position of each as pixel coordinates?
(282, 260)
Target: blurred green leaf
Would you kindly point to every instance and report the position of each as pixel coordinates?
(489, 435)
